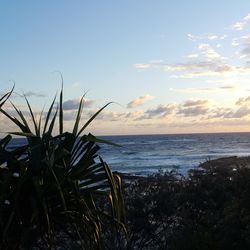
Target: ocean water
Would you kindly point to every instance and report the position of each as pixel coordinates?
(147, 154)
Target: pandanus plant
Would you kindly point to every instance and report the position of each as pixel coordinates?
(56, 192)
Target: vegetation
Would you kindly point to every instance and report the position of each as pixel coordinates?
(56, 192)
(207, 210)
(52, 189)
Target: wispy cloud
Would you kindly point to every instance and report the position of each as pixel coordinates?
(74, 104)
(230, 113)
(161, 110)
(190, 56)
(206, 36)
(240, 25)
(207, 62)
(139, 101)
(108, 115)
(207, 58)
(35, 94)
(192, 103)
(194, 107)
(196, 69)
(243, 101)
(206, 90)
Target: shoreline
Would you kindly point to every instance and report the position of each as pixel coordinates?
(229, 161)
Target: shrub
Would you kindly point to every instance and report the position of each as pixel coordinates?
(207, 209)
(51, 187)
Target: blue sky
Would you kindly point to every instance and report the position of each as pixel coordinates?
(173, 66)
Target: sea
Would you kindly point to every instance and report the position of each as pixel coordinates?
(147, 154)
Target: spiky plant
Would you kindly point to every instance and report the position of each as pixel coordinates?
(53, 188)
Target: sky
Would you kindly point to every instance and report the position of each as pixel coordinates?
(168, 66)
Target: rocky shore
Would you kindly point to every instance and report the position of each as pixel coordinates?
(232, 161)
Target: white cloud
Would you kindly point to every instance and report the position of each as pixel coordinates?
(247, 18)
(207, 62)
(35, 94)
(240, 25)
(108, 115)
(139, 101)
(192, 56)
(206, 36)
(142, 66)
(209, 53)
(207, 89)
(235, 42)
(136, 115)
(212, 66)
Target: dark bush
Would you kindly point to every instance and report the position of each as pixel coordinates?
(207, 209)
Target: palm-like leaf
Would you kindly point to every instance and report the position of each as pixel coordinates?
(54, 184)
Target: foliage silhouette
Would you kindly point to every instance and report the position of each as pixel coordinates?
(208, 209)
(51, 187)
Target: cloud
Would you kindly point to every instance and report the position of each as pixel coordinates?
(196, 69)
(191, 103)
(206, 36)
(192, 56)
(136, 115)
(161, 110)
(69, 115)
(35, 94)
(207, 59)
(142, 66)
(73, 104)
(221, 113)
(209, 53)
(243, 101)
(227, 87)
(193, 111)
(245, 44)
(241, 112)
(235, 42)
(240, 25)
(139, 101)
(229, 113)
(108, 115)
(204, 90)
(194, 108)
(207, 62)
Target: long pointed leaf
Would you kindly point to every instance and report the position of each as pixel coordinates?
(32, 115)
(40, 122)
(92, 118)
(22, 118)
(78, 117)
(14, 120)
(51, 127)
(61, 109)
(92, 138)
(5, 97)
(48, 114)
